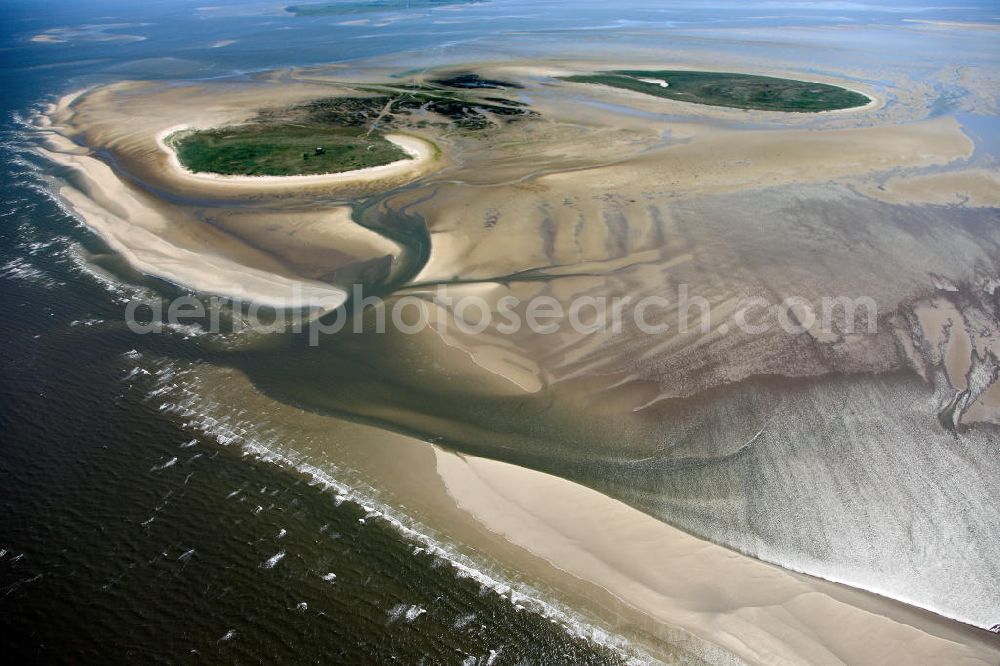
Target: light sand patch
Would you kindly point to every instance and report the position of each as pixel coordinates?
(650, 582)
(131, 120)
(978, 188)
(761, 613)
(316, 243)
(86, 33)
(658, 82)
(488, 351)
(174, 247)
(148, 253)
(720, 161)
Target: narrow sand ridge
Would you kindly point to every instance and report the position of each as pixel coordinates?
(978, 188)
(155, 243)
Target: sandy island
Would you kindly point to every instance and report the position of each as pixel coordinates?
(420, 152)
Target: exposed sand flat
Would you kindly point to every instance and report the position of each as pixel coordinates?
(312, 242)
(653, 582)
(269, 255)
(760, 613)
(621, 198)
(966, 187)
(148, 253)
(170, 245)
(721, 161)
(559, 219)
(492, 353)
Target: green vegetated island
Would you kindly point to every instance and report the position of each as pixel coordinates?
(738, 91)
(337, 134)
(348, 7)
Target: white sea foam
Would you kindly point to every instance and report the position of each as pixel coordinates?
(463, 621)
(20, 268)
(407, 611)
(169, 463)
(273, 560)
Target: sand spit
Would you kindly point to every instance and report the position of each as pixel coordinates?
(760, 613)
(192, 260)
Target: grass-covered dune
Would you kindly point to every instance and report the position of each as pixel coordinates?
(739, 91)
(282, 150)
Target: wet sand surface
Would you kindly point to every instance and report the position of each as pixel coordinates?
(858, 456)
(679, 596)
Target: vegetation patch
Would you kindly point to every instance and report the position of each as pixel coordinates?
(266, 150)
(471, 81)
(408, 105)
(739, 91)
(337, 134)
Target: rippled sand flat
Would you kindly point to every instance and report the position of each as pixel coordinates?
(859, 455)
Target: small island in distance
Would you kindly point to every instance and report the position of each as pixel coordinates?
(738, 91)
